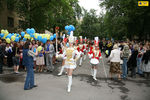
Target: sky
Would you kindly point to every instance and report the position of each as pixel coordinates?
(91, 4)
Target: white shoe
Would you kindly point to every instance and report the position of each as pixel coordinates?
(69, 89)
(95, 78)
(59, 74)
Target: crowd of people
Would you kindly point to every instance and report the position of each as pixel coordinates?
(126, 58)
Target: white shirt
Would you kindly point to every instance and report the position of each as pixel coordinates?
(115, 55)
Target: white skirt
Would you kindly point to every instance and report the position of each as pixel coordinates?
(70, 66)
(94, 61)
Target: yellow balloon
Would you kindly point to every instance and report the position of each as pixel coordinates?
(2, 31)
(36, 35)
(26, 36)
(8, 40)
(6, 32)
(32, 38)
(48, 36)
(13, 38)
(39, 48)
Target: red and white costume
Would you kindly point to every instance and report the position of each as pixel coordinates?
(81, 50)
(95, 55)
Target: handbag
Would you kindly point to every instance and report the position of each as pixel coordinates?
(31, 53)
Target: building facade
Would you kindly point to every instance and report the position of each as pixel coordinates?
(8, 17)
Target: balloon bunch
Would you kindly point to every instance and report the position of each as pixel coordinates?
(10, 36)
(29, 34)
(69, 28)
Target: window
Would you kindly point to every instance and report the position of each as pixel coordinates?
(10, 22)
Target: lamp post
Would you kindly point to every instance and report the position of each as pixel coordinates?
(57, 30)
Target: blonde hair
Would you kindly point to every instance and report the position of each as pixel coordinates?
(136, 47)
(115, 46)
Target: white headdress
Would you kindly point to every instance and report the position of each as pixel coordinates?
(71, 37)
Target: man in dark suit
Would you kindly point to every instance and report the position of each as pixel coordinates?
(1, 57)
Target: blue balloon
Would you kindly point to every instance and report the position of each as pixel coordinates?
(68, 33)
(32, 30)
(51, 38)
(17, 35)
(34, 50)
(54, 35)
(9, 36)
(22, 34)
(17, 39)
(39, 38)
(28, 30)
(31, 35)
(44, 40)
(24, 39)
(67, 44)
(67, 27)
(2, 35)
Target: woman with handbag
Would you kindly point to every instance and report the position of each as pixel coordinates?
(28, 62)
(16, 57)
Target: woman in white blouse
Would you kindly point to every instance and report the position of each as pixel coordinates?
(114, 59)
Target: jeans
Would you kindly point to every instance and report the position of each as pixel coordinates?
(124, 68)
(29, 83)
(139, 69)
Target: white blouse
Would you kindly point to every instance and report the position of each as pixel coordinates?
(115, 55)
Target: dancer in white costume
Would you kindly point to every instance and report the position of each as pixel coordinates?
(63, 56)
(94, 55)
(85, 48)
(80, 50)
(70, 62)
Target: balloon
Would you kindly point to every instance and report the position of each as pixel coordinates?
(8, 40)
(28, 30)
(54, 35)
(13, 38)
(17, 39)
(68, 33)
(34, 50)
(67, 27)
(17, 35)
(31, 35)
(39, 38)
(9, 36)
(36, 35)
(26, 36)
(2, 35)
(2, 31)
(51, 38)
(44, 40)
(22, 34)
(39, 48)
(24, 39)
(107, 52)
(32, 30)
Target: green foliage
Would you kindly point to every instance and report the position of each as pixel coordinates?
(47, 14)
(124, 18)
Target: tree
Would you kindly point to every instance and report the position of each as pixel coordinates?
(124, 18)
(47, 14)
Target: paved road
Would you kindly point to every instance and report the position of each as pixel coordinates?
(53, 87)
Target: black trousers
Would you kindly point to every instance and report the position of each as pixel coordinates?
(1, 65)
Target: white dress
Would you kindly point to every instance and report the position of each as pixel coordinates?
(71, 57)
